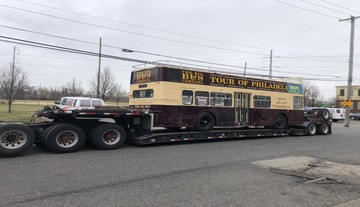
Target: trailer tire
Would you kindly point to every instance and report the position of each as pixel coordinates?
(63, 138)
(280, 121)
(311, 129)
(15, 139)
(323, 129)
(325, 114)
(108, 136)
(204, 122)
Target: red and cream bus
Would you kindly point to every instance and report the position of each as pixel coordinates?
(201, 99)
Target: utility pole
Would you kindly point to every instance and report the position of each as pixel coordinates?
(270, 67)
(98, 74)
(351, 61)
(245, 69)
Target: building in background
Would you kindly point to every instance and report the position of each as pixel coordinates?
(341, 93)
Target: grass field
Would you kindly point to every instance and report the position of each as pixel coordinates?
(23, 110)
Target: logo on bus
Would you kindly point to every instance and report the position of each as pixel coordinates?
(143, 76)
(295, 88)
(192, 77)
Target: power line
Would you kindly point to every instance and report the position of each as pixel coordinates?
(138, 51)
(130, 32)
(141, 26)
(340, 6)
(83, 52)
(318, 5)
(307, 9)
(151, 36)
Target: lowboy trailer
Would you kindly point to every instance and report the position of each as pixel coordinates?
(109, 128)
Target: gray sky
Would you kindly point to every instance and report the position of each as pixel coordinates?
(306, 37)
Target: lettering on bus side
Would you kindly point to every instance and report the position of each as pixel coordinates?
(246, 83)
(281, 103)
(267, 85)
(192, 77)
(143, 76)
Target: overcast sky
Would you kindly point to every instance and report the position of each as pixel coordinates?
(306, 37)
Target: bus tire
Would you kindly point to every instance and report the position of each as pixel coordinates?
(15, 139)
(108, 136)
(64, 138)
(280, 121)
(323, 129)
(311, 129)
(204, 122)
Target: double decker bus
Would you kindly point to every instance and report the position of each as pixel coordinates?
(201, 99)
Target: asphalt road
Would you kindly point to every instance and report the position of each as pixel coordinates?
(208, 173)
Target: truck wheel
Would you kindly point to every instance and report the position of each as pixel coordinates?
(15, 139)
(64, 138)
(325, 114)
(311, 129)
(323, 128)
(280, 122)
(204, 122)
(108, 136)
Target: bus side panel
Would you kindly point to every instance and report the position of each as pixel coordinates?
(184, 116)
(266, 117)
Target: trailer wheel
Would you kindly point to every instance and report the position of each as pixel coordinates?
(15, 139)
(325, 114)
(311, 129)
(323, 128)
(108, 136)
(280, 122)
(204, 122)
(64, 138)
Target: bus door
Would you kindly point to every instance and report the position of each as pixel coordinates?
(242, 108)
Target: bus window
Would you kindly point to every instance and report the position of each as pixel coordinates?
(220, 99)
(148, 93)
(202, 98)
(297, 102)
(262, 101)
(187, 97)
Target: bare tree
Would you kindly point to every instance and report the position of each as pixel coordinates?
(107, 85)
(312, 94)
(120, 95)
(74, 88)
(12, 80)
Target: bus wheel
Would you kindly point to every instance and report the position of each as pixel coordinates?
(64, 138)
(204, 122)
(323, 128)
(15, 139)
(280, 122)
(108, 136)
(311, 129)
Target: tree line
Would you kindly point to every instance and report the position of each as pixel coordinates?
(15, 85)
